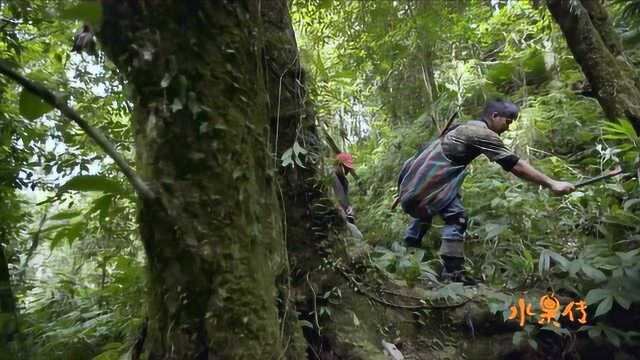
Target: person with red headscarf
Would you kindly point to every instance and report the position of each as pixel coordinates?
(344, 167)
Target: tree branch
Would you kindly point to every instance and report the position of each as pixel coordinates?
(57, 102)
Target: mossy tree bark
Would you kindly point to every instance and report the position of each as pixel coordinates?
(213, 238)
(8, 310)
(597, 48)
(292, 120)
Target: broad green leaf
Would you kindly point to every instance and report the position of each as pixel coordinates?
(594, 332)
(604, 306)
(92, 183)
(623, 301)
(593, 273)
(517, 338)
(32, 106)
(627, 256)
(88, 11)
(561, 260)
(596, 295)
(612, 336)
(629, 203)
(575, 266)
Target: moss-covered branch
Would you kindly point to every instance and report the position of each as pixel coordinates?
(96, 135)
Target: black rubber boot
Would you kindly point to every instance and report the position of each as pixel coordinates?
(412, 242)
(453, 271)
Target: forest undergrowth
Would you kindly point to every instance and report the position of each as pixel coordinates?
(384, 78)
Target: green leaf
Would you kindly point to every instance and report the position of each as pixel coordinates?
(574, 266)
(627, 256)
(91, 183)
(176, 105)
(74, 231)
(166, 80)
(594, 332)
(51, 228)
(494, 230)
(297, 149)
(543, 263)
(604, 306)
(623, 301)
(286, 158)
(596, 295)
(558, 330)
(629, 203)
(561, 260)
(64, 215)
(102, 205)
(306, 323)
(55, 241)
(612, 336)
(32, 106)
(89, 11)
(584, 328)
(593, 273)
(517, 338)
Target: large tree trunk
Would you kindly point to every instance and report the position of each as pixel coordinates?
(8, 311)
(213, 239)
(292, 120)
(597, 48)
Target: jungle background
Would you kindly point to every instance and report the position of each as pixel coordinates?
(380, 78)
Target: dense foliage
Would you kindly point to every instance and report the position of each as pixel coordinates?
(373, 66)
(385, 76)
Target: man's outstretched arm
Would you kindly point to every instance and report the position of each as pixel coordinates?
(524, 170)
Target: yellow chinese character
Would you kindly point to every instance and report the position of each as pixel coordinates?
(549, 306)
(524, 311)
(580, 306)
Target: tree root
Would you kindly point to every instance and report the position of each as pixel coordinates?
(359, 287)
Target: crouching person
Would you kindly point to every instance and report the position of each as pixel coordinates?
(430, 182)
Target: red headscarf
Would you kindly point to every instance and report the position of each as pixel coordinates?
(345, 159)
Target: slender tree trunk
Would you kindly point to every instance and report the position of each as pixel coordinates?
(596, 47)
(214, 238)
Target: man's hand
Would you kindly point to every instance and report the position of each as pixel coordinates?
(351, 214)
(562, 187)
(523, 170)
